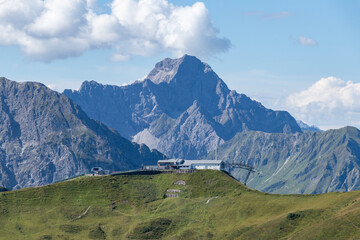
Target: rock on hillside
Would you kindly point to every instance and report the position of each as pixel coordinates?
(182, 108)
(45, 137)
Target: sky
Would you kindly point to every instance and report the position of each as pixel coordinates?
(298, 56)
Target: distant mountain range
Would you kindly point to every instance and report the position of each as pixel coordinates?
(182, 108)
(312, 162)
(45, 137)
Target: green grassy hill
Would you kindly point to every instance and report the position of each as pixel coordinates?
(211, 206)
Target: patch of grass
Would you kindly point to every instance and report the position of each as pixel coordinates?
(97, 233)
(293, 216)
(46, 237)
(73, 229)
(154, 229)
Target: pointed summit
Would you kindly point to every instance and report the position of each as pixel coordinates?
(167, 69)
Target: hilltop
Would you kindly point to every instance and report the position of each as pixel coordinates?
(212, 205)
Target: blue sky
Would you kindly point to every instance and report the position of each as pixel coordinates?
(281, 52)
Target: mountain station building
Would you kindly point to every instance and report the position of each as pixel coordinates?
(182, 164)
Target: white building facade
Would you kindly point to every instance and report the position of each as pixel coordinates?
(171, 164)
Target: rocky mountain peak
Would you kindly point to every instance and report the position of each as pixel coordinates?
(169, 69)
(89, 84)
(187, 79)
(183, 108)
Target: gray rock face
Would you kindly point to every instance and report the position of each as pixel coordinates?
(182, 108)
(45, 137)
(311, 162)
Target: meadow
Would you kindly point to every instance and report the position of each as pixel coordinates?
(212, 205)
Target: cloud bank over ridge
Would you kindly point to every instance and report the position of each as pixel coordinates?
(53, 29)
(329, 102)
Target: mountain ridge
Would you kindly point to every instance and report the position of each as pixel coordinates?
(310, 162)
(45, 137)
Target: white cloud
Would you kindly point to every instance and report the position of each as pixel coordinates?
(51, 86)
(59, 19)
(307, 41)
(92, 4)
(328, 102)
(18, 13)
(51, 29)
(116, 57)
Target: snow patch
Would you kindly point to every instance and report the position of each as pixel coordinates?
(146, 137)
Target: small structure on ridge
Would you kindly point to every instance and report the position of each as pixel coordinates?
(98, 171)
(182, 164)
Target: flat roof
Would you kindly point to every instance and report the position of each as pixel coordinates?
(212, 162)
(191, 162)
(170, 160)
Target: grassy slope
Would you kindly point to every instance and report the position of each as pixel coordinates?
(120, 207)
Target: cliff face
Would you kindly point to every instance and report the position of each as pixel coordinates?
(312, 162)
(182, 108)
(45, 137)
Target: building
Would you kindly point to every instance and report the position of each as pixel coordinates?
(203, 164)
(98, 171)
(183, 165)
(169, 164)
(173, 164)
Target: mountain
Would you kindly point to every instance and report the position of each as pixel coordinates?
(311, 162)
(45, 137)
(307, 128)
(211, 205)
(182, 108)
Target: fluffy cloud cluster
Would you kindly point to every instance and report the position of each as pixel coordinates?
(51, 29)
(328, 103)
